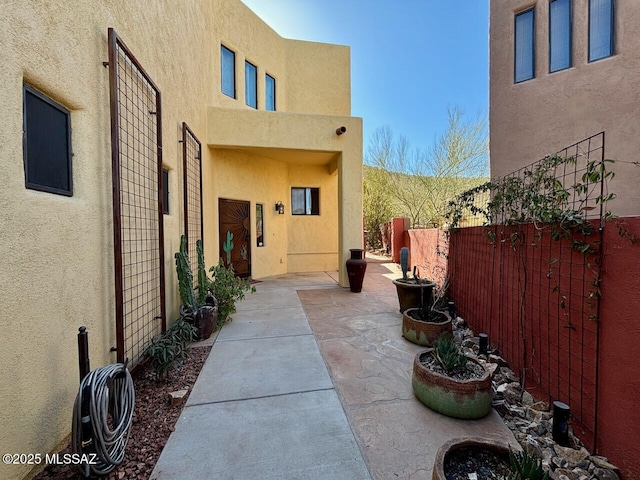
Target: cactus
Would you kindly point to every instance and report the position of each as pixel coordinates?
(227, 246)
(203, 280)
(404, 262)
(185, 276)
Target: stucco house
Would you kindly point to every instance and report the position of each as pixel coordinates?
(562, 71)
(127, 124)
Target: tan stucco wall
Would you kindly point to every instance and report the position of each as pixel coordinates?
(57, 251)
(554, 110)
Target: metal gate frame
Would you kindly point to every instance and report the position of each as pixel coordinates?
(136, 154)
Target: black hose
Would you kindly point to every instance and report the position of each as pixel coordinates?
(106, 398)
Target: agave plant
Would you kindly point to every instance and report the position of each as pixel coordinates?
(526, 466)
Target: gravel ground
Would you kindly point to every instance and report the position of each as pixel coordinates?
(153, 420)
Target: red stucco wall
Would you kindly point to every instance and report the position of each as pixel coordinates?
(570, 355)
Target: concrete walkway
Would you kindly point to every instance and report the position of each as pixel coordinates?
(311, 381)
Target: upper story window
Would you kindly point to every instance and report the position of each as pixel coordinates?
(228, 71)
(46, 144)
(251, 84)
(305, 201)
(524, 46)
(559, 35)
(270, 93)
(601, 21)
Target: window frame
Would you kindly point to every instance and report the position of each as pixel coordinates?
(254, 83)
(259, 224)
(224, 49)
(266, 92)
(612, 24)
(30, 166)
(165, 191)
(309, 209)
(570, 45)
(532, 11)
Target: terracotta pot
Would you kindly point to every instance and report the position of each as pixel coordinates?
(467, 399)
(410, 293)
(498, 447)
(356, 266)
(421, 332)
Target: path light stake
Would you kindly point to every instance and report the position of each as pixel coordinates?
(484, 343)
(561, 413)
(451, 306)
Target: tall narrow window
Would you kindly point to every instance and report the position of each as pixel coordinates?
(46, 144)
(559, 35)
(228, 71)
(251, 84)
(270, 93)
(305, 201)
(165, 191)
(601, 21)
(524, 46)
(260, 224)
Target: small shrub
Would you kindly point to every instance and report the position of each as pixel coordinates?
(169, 347)
(447, 354)
(525, 466)
(228, 289)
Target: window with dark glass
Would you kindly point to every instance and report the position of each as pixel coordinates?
(559, 35)
(46, 144)
(251, 84)
(165, 191)
(524, 46)
(601, 22)
(260, 224)
(270, 93)
(228, 71)
(305, 201)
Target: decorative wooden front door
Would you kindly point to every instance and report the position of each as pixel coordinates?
(235, 235)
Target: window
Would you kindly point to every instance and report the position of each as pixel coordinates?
(228, 71)
(165, 191)
(270, 93)
(524, 46)
(305, 201)
(46, 144)
(251, 84)
(559, 35)
(600, 29)
(259, 225)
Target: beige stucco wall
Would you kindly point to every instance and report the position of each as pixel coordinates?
(538, 117)
(57, 269)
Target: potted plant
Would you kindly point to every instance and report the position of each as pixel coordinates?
(450, 383)
(199, 309)
(425, 324)
(411, 291)
(227, 289)
(484, 458)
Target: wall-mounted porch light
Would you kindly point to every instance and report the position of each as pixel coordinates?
(280, 208)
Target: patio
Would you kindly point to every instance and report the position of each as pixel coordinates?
(312, 381)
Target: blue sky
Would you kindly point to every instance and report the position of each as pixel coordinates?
(410, 59)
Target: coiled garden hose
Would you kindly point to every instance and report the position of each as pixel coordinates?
(102, 415)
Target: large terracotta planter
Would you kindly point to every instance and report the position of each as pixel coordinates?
(410, 293)
(498, 447)
(421, 332)
(468, 399)
(356, 266)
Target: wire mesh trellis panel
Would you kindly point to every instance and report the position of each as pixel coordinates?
(192, 175)
(534, 291)
(136, 148)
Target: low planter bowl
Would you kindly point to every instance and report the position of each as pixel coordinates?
(423, 332)
(467, 399)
